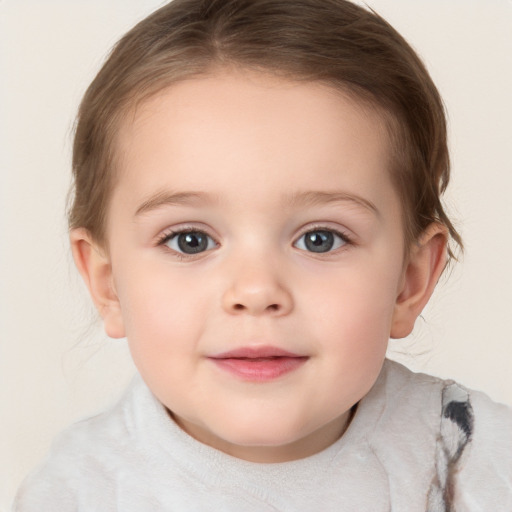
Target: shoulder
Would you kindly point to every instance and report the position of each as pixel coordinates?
(400, 391)
(472, 413)
(485, 470)
(470, 410)
(473, 451)
(85, 456)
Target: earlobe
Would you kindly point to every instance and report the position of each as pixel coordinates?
(94, 266)
(424, 267)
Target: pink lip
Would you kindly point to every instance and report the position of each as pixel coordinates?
(258, 364)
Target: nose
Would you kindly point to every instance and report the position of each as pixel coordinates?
(255, 289)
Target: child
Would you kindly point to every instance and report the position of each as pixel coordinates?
(257, 210)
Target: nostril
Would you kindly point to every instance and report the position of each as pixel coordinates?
(270, 307)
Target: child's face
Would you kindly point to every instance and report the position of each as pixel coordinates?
(291, 244)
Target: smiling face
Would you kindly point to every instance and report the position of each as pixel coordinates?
(255, 259)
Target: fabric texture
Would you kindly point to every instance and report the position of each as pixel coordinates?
(415, 443)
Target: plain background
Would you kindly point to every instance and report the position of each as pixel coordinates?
(56, 365)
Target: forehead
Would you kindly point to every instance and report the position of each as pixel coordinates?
(249, 129)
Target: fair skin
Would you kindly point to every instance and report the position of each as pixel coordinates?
(293, 243)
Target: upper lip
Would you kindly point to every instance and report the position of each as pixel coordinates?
(255, 353)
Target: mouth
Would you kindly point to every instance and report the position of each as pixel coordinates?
(258, 364)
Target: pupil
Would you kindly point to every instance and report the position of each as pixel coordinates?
(192, 243)
(319, 241)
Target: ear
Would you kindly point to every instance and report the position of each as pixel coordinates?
(426, 262)
(94, 266)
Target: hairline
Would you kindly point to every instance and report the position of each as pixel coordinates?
(128, 108)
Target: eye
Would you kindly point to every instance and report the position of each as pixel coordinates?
(321, 240)
(189, 242)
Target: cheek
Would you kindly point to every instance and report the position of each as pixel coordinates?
(356, 329)
(162, 312)
(362, 296)
(352, 316)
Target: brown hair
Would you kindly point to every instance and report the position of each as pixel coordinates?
(331, 41)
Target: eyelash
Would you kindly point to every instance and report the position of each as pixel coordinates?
(346, 239)
(170, 234)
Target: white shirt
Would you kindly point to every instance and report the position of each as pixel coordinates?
(413, 438)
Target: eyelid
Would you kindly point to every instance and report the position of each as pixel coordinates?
(343, 234)
(170, 233)
(185, 227)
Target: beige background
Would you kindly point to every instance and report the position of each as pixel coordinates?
(55, 364)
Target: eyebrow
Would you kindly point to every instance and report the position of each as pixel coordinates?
(161, 199)
(297, 200)
(315, 198)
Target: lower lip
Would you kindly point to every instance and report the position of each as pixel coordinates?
(260, 370)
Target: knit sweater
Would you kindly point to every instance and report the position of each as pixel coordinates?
(415, 443)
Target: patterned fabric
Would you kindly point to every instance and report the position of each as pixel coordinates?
(455, 434)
